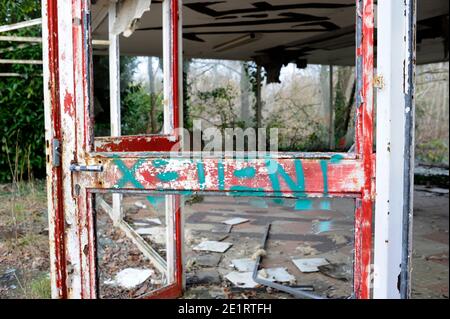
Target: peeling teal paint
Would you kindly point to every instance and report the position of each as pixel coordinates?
(247, 172)
(201, 175)
(221, 175)
(276, 174)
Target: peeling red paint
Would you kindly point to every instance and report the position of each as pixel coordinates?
(350, 177)
(156, 143)
(364, 148)
(68, 104)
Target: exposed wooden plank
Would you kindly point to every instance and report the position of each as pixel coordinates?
(20, 25)
(8, 61)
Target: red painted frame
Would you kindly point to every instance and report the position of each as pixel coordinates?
(361, 166)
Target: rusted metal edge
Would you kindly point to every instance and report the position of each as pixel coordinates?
(408, 173)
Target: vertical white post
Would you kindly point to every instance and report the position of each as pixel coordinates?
(168, 129)
(49, 136)
(167, 49)
(395, 142)
(114, 93)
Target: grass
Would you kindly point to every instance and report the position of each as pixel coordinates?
(23, 241)
(40, 288)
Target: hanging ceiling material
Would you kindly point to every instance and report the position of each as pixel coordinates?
(311, 31)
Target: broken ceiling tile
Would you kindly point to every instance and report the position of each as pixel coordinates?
(310, 264)
(130, 278)
(278, 274)
(140, 204)
(245, 279)
(209, 260)
(244, 264)
(235, 221)
(214, 246)
(157, 234)
(241, 279)
(156, 221)
(140, 224)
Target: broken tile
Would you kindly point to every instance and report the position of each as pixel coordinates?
(278, 274)
(245, 264)
(221, 228)
(156, 234)
(209, 260)
(310, 264)
(214, 246)
(140, 224)
(241, 279)
(140, 204)
(245, 279)
(235, 221)
(204, 277)
(156, 221)
(130, 277)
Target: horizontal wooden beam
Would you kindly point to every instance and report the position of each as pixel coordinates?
(13, 38)
(20, 25)
(7, 61)
(253, 177)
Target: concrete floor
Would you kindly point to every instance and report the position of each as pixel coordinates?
(430, 274)
(315, 233)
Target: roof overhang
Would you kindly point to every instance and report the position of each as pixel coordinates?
(311, 31)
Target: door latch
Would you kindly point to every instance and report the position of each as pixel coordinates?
(86, 168)
(56, 153)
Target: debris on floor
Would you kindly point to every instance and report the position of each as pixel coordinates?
(140, 204)
(310, 264)
(338, 239)
(278, 274)
(209, 260)
(242, 279)
(244, 264)
(156, 234)
(245, 279)
(259, 252)
(235, 221)
(214, 246)
(339, 271)
(204, 277)
(130, 278)
(307, 250)
(156, 221)
(222, 228)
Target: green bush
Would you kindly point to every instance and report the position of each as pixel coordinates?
(21, 98)
(432, 152)
(136, 110)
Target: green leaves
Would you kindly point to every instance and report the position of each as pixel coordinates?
(21, 98)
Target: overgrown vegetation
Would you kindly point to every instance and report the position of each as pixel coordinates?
(24, 253)
(432, 114)
(21, 99)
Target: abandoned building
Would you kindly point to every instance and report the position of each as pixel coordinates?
(149, 215)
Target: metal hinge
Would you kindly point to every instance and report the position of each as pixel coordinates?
(378, 82)
(56, 153)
